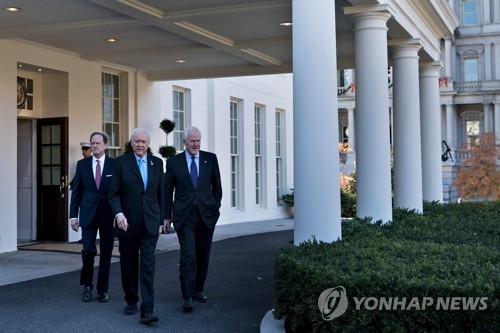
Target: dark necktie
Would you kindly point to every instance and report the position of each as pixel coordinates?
(98, 174)
(193, 172)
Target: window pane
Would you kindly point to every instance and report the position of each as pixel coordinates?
(471, 70)
(45, 135)
(116, 86)
(46, 155)
(56, 175)
(470, 17)
(46, 176)
(108, 131)
(116, 110)
(56, 134)
(116, 135)
(106, 109)
(56, 155)
(106, 88)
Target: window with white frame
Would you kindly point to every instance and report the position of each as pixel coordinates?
(469, 12)
(471, 69)
(180, 108)
(234, 153)
(280, 174)
(258, 133)
(111, 111)
(471, 127)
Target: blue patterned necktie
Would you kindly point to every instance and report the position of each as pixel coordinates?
(143, 172)
(194, 172)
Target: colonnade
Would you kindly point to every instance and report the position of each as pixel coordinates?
(417, 122)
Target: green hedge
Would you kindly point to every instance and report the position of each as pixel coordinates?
(449, 251)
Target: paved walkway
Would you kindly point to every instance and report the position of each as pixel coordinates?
(41, 293)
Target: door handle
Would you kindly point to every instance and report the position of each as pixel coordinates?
(64, 184)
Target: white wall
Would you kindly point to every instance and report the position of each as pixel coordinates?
(210, 100)
(72, 88)
(8, 135)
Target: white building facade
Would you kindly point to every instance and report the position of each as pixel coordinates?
(468, 75)
(298, 123)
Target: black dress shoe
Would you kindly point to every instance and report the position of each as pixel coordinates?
(103, 297)
(130, 309)
(87, 294)
(188, 305)
(201, 297)
(148, 318)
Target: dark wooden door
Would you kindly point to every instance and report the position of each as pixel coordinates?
(52, 180)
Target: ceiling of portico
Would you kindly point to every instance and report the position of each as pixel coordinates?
(214, 38)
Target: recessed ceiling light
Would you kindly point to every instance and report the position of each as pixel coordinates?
(111, 40)
(11, 9)
(181, 61)
(39, 69)
(20, 65)
(286, 24)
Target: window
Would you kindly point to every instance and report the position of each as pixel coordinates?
(471, 127)
(470, 13)
(111, 109)
(258, 129)
(279, 154)
(180, 106)
(472, 130)
(234, 152)
(471, 69)
(344, 134)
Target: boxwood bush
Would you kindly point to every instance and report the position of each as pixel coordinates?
(452, 250)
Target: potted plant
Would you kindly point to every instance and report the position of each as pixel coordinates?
(288, 200)
(167, 151)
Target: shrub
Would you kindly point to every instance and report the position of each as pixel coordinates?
(450, 251)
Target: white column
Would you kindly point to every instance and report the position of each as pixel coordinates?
(486, 118)
(373, 157)
(450, 138)
(497, 122)
(488, 62)
(316, 182)
(447, 57)
(430, 124)
(407, 144)
(486, 12)
(351, 128)
(496, 12)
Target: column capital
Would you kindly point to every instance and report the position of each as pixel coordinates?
(368, 10)
(404, 48)
(431, 65)
(369, 16)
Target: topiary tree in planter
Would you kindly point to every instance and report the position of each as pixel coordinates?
(167, 151)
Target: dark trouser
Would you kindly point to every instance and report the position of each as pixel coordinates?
(89, 251)
(195, 240)
(137, 261)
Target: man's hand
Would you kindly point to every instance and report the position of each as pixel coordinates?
(74, 224)
(121, 222)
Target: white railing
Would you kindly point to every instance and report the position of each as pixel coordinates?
(468, 86)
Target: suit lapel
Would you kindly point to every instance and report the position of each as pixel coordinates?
(132, 162)
(150, 167)
(90, 171)
(201, 166)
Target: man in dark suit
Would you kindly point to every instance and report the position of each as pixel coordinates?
(90, 210)
(194, 176)
(137, 199)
